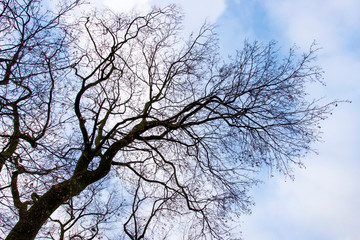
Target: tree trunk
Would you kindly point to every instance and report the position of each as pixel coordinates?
(29, 225)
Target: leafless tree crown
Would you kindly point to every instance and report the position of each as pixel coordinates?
(116, 127)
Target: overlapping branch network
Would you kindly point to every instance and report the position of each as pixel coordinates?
(179, 129)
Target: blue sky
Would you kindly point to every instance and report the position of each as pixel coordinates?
(324, 200)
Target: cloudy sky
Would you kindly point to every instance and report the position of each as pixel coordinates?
(324, 200)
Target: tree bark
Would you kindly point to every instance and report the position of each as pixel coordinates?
(32, 220)
(29, 225)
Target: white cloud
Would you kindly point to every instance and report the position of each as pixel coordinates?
(196, 12)
(322, 203)
(324, 200)
(330, 22)
(127, 5)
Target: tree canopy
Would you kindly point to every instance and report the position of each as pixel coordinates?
(116, 126)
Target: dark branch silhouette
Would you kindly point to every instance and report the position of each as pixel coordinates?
(116, 125)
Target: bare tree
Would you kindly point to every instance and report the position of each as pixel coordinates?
(33, 53)
(169, 131)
